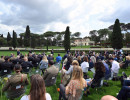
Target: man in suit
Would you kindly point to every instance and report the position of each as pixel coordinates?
(26, 65)
(50, 73)
(16, 83)
(6, 67)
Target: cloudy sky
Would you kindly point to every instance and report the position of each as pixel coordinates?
(54, 15)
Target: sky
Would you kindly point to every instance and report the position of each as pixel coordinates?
(55, 15)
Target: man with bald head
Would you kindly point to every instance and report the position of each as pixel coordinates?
(108, 97)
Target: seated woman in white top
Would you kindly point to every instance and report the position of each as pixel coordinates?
(85, 64)
(38, 90)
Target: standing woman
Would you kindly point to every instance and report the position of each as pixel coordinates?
(43, 63)
(38, 90)
(73, 91)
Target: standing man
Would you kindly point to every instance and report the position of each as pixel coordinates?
(52, 52)
(58, 58)
(18, 52)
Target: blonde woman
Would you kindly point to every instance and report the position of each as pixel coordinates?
(126, 63)
(73, 90)
(66, 75)
(44, 63)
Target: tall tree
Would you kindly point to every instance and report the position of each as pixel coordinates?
(8, 39)
(127, 38)
(27, 37)
(76, 34)
(67, 39)
(116, 37)
(14, 40)
(3, 41)
(33, 42)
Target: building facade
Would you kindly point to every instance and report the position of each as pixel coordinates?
(83, 41)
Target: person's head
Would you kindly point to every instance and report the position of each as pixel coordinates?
(127, 57)
(25, 58)
(111, 59)
(44, 58)
(75, 63)
(51, 55)
(85, 59)
(99, 66)
(2, 57)
(37, 90)
(77, 74)
(110, 56)
(6, 58)
(93, 59)
(78, 58)
(58, 54)
(69, 59)
(108, 97)
(17, 68)
(51, 62)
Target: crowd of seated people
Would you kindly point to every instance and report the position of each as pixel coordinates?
(73, 72)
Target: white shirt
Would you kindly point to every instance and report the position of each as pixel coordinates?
(115, 67)
(85, 66)
(25, 97)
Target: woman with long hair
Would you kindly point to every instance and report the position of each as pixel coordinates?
(79, 60)
(43, 63)
(73, 90)
(38, 90)
(99, 74)
(69, 62)
(66, 75)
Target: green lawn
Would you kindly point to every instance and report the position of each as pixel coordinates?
(114, 86)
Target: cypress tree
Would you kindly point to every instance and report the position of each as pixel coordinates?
(67, 39)
(14, 40)
(116, 37)
(33, 42)
(27, 37)
(8, 39)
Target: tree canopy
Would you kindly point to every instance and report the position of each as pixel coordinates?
(14, 40)
(27, 37)
(116, 37)
(67, 39)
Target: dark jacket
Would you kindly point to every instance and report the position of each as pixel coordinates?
(6, 68)
(26, 66)
(97, 79)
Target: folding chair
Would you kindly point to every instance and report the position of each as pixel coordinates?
(51, 81)
(35, 71)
